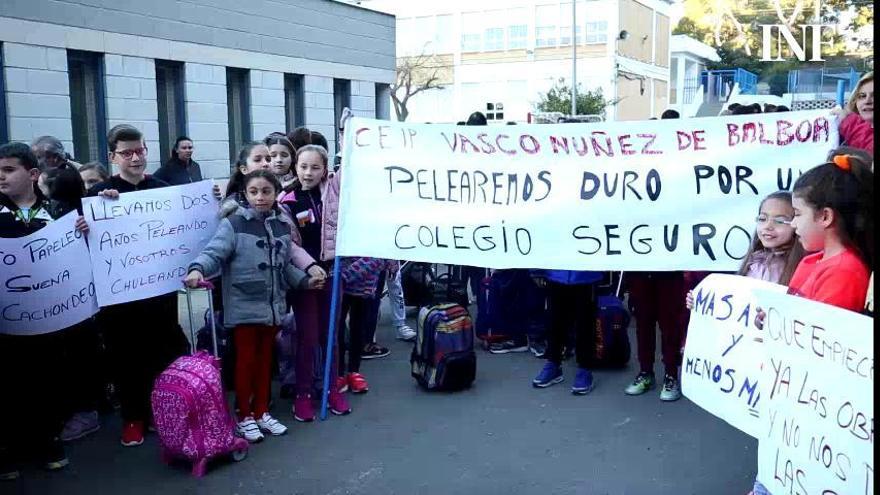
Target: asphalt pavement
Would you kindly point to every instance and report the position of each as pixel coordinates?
(500, 437)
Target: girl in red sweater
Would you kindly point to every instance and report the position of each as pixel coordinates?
(833, 216)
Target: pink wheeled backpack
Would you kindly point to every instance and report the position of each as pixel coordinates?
(190, 411)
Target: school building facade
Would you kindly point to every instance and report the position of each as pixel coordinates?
(221, 72)
(498, 56)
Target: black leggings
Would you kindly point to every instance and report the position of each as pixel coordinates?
(572, 305)
(358, 311)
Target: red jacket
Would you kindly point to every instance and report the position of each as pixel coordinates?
(857, 132)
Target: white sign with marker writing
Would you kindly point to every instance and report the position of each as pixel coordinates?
(817, 428)
(648, 195)
(47, 285)
(142, 243)
(721, 367)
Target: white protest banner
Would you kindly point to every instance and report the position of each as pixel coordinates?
(721, 367)
(647, 195)
(47, 283)
(817, 425)
(142, 243)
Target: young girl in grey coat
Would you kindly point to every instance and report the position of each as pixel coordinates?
(251, 250)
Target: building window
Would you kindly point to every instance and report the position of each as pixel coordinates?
(383, 101)
(4, 129)
(495, 111)
(546, 19)
(341, 99)
(238, 109)
(294, 101)
(472, 25)
(597, 32)
(172, 113)
(85, 72)
(443, 41)
(517, 37)
(494, 39)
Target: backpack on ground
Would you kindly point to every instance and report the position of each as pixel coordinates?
(190, 411)
(515, 307)
(443, 356)
(612, 335)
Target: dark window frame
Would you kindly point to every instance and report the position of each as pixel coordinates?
(295, 114)
(4, 116)
(179, 81)
(243, 77)
(96, 59)
(341, 99)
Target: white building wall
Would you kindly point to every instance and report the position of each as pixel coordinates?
(37, 93)
(267, 103)
(318, 107)
(207, 117)
(130, 92)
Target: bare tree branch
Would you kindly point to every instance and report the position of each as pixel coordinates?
(414, 75)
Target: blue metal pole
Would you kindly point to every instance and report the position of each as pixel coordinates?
(331, 338)
(841, 91)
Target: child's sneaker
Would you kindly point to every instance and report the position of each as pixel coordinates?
(374, 351)
(341, 384)
(271, 425)
(303, 409)
(55, 458)
(132, 434)
(583, 382)
(338, 404)
(406, 333)
(644, 381)
(357, 383)
(671, 390)
(538, 348)
(507, 346)
(8, 469)
(550, 374)
(249, 430)
(80, 425)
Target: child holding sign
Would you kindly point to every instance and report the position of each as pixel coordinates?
(142, 337)
(833, 218)
(312, 201)
(252, 249)
(31, 366)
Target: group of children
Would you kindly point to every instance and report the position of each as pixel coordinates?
(274, 252)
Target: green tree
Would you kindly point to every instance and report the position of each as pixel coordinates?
(558, 99)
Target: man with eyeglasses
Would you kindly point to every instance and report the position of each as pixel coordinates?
(142, 337)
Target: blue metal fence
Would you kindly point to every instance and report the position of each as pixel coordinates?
(723, 81)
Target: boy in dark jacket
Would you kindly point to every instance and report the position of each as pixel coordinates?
(142, 337)
(30, 375)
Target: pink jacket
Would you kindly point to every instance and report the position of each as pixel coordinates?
(330, 201)
(857, 132)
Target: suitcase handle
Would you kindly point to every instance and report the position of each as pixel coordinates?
(208, 287)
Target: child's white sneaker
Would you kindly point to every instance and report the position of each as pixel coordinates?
(271, 425)
(249, 430)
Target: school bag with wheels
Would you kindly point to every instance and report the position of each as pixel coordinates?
(443, 356)
(189, 407)
(612, 336)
